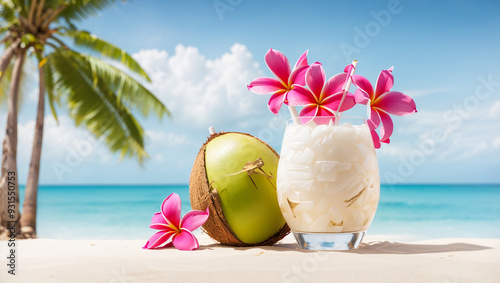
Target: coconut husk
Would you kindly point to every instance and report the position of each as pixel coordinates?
(202, 195)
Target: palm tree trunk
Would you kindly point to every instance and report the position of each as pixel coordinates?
(9, 154)
(6, 57)
(28, 218)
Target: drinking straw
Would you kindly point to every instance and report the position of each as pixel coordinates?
(346, 90)
(295, 115)
(212, 130)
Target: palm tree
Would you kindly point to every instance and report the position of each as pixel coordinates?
(98, 95)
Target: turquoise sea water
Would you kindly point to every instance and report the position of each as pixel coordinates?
(414, 212)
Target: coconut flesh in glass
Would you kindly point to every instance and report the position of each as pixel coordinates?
(328, 178)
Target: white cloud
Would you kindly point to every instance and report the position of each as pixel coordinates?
(201, 92)
(66, 143)
(158, 157)
(393, 150)
(163, 139)
(154, 61)
(453, 140)
(494, 112)
(67, 147)
(62, 142)
(496, 142)
(480, 148)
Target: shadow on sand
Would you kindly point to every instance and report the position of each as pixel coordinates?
(370, 248)
(401, 248)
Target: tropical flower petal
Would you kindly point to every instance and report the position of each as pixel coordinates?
(194, 219)
(325, 112)
(298, 76)
(158, 239)
(348, 68)
(360, 97)
(158, 222)
(300, 95)
(333, 101)
(315, 79)
(276, 101)
(324, 115)
(374, 118)
(308, 112)
(385, 82)
(334, 85)
(278, 64)
(185, 241)
(375, 137)
(302, 62)
(363, 84)
(171, 209)
(265, 86)
(395, 103)
(386, 127)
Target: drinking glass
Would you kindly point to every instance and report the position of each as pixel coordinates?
(328, 182)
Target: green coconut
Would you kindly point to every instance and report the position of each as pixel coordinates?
(235, 176)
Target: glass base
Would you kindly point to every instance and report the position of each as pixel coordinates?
(329, 241)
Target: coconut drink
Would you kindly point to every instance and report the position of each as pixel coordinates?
(328, 178)
(328, 175)
(234, 175)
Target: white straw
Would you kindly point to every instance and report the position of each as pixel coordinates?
(295, 115)
(211, 130)
(346, 90)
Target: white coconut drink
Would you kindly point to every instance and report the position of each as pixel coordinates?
(328, 178)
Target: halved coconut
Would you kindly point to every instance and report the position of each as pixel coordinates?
(234, 175)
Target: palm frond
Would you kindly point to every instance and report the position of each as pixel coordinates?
(92, 103)
(77, 10)
(24, 83)
(128, 90)
(53, 4)
(7, 11)
(4, 28)
(22, 6)
(93, 43)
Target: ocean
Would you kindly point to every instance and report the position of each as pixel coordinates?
(406, 212)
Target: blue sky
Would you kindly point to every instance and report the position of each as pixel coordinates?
(201, 55)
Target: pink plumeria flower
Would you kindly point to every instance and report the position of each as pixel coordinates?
(320, 99)
(375, 137)
(383, 102)
(287, 78)
(169, 222)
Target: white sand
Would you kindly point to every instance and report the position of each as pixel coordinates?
(120, 261)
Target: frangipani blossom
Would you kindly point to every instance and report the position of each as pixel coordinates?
(170, 224)
(383, 102)
(320, 98)
(286, 78)
(375, 137)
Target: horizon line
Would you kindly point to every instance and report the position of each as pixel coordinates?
(186, 184)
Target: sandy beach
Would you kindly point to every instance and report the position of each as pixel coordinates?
(439, 260)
